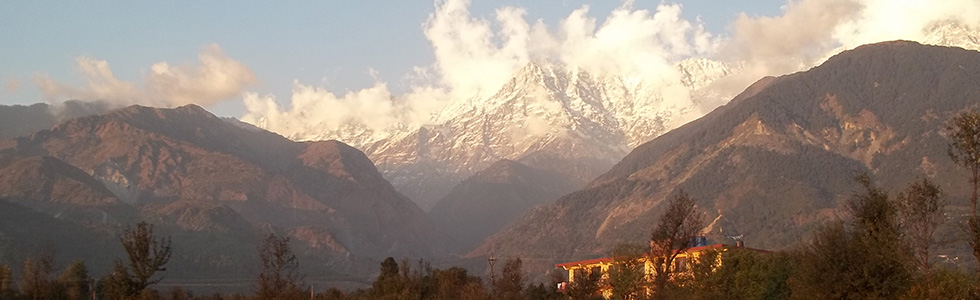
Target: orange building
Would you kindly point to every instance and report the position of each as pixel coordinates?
(680, 264)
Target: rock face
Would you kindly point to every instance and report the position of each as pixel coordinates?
(217, 187)
(484, 203)
(777, 160)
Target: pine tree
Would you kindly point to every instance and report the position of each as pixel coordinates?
(75, 281)
(512, 280)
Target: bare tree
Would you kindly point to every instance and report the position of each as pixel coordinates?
(280, 277)
(964, 150)
(921, 206)
(681, 222)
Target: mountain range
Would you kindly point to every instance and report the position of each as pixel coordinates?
(215, 186)
(557, 165)
(581, 121)
(778, 160)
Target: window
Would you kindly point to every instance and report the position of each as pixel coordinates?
(680, 264)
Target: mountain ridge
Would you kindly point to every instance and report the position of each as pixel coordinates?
(776, 161)
(196, 176)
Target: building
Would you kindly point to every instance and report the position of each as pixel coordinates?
(681, 262)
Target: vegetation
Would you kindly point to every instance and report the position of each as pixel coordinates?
(585, 285)
(882, 249)
(146, 255)
(75, 281)
(627, 277)
(922, 206)
(866, 258)
(279, 278)
(964, 150)
(681, 222)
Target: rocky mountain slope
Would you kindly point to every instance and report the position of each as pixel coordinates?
(487, 201)
(216, 187)
(777, 160)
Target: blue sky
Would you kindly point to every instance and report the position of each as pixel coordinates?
(332, 44)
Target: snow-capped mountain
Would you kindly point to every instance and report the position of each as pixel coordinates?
(544, 110)
(553, 117)
(952, 34)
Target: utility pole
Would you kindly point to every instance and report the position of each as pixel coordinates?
(311, 291)
(491, 260)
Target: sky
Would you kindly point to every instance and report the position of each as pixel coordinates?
(321, 64)
(337, 45)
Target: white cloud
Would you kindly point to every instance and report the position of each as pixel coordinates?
(216, 78)
(883, 20)
(474, 56)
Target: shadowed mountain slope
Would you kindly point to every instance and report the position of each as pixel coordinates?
(484, 203)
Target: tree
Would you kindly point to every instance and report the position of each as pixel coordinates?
(964, 150)
(75, 281)
(921, 205)
(681, 222)
(627, 274)
(454, 283)
(512, 280)
(702, 267)
(279, 278)
(745, 274)
(866, 260)
(542, 291)
(146, 255)
(388, 282)
(35, 281)
(114, 285)
(6, 282)
(879, 238)
(584, 285)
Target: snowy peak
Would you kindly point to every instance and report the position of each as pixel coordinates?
(547, 110)
(952, 34)
(697, 73)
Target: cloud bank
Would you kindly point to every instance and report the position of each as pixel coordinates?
(216, 78)
(474, 56)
